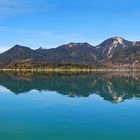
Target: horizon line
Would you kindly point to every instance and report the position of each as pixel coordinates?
(34, 48)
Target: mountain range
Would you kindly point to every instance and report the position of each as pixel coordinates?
(115, 51)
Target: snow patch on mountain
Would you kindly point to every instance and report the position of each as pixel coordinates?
(120, 40)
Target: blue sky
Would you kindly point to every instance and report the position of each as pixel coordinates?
(50, 23)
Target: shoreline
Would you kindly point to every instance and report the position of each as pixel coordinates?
(72, 70)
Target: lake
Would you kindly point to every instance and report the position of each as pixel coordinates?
(97, 106)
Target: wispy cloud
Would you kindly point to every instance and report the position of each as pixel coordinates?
(37, 38)
(9, 7)
(3, 48)
(11, 2)
(34, 38)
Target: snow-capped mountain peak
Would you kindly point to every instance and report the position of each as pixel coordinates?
(118, 40)
(113, 45)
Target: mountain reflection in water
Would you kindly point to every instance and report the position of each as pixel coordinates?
(112, 87)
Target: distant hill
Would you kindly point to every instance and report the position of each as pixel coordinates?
(112, 51)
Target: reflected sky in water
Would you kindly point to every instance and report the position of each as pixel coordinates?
(58, 107)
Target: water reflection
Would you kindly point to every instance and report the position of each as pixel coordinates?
(112, 87)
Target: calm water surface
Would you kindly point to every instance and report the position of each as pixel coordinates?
(69, 107)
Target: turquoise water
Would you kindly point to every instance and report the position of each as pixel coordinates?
(69, 107)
